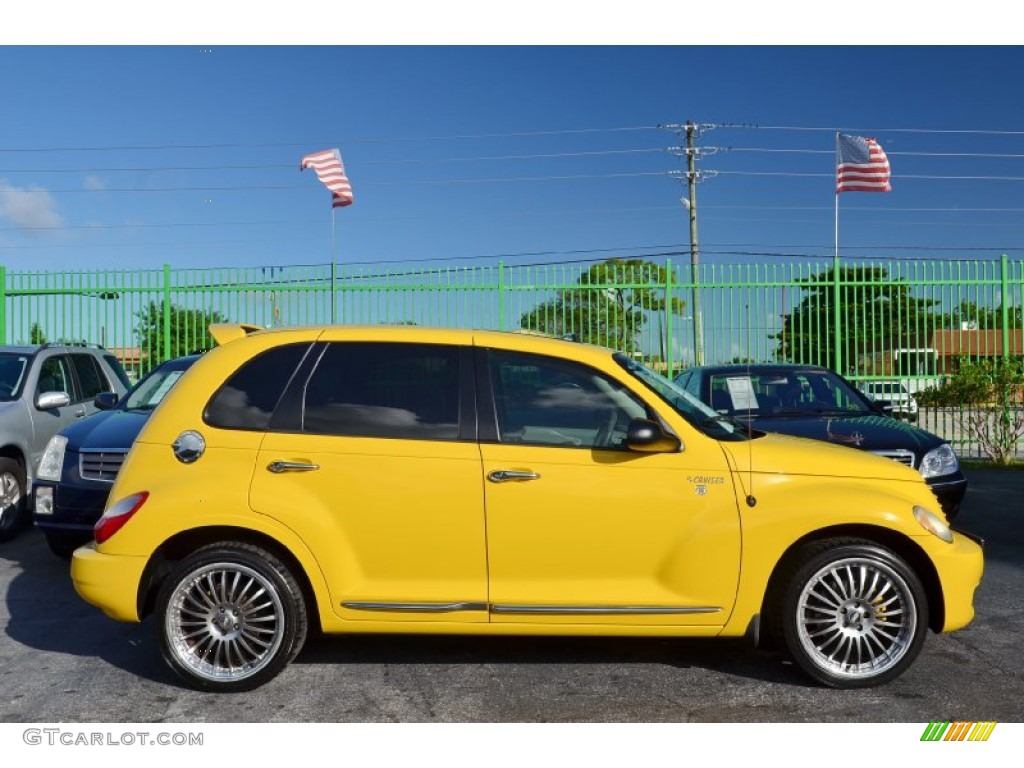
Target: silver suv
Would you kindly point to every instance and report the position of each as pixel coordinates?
(904, 405)
(44, 388)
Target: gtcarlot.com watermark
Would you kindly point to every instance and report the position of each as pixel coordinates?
(65, 737)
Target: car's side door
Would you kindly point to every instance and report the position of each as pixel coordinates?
(376, 462)
(582, 530)
(53, 374)
(91, 380)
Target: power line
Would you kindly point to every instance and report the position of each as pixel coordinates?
(343, 142)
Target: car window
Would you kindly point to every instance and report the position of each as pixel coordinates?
(118, 369)
(545, 401)
(248, 398)
(394, 390)
(55, 376)
(90, 378)
(151, 390)
(783, 393)
(12, 374)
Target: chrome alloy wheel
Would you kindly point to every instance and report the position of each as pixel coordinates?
(224, 622)
(10, 500)
(856, 618)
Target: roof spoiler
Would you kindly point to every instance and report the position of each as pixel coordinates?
(225, 333)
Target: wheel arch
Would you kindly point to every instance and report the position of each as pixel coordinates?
(903, 546)
(182, 544)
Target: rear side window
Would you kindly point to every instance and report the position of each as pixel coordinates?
(364, 389)
(90, 377)
(248, 398)
(118, 369)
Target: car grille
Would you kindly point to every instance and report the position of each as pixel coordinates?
(902, 455)
(100, 465)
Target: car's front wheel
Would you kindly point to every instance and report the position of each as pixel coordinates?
(12, 498)
(854, 614)
(230, 617)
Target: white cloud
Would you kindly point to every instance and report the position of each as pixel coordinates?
(28, 208)
(94, 182)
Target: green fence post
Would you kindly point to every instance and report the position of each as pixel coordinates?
(837, 335)
(167, 312)
(3, 305)
(501, 297)
(1004, 294)
(668, 314)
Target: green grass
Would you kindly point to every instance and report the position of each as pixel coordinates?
(989, 464)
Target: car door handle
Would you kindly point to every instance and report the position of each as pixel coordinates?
(291, 466)
(504, 475)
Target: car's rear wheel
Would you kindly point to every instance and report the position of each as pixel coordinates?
(854, 614)
(12, 498)
(230, 617)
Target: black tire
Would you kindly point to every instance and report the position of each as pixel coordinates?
(63, 545)
(13, 508)
(853, 613)
(230, 617)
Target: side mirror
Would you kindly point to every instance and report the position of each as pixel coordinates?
(49, 400)
(646, 436)
(104, 401)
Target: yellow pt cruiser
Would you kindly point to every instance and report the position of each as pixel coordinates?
(404, 479)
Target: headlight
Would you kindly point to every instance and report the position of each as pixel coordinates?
(933, 524)
(939, 461)
(52, 463)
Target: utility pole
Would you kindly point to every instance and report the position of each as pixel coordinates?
(691, 206)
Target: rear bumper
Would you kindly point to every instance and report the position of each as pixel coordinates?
(109, 582)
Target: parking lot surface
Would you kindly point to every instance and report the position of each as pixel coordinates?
(63, 661)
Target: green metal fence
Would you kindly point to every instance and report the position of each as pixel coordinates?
(912, 320)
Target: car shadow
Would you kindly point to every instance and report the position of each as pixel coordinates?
(46, 614)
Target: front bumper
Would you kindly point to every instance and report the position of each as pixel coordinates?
(960, 566)
(76, 507)
(950, 491)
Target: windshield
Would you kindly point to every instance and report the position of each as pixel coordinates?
(12, 374)
(782, 393)
(704, 418)
(151, 390)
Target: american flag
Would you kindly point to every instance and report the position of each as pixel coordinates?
(862, 165)
(331, 172)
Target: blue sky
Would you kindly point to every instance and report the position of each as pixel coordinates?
(523, 153)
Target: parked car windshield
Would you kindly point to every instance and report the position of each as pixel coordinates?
(781, 393)
(12, 374)
(151, 390)
(707, 420)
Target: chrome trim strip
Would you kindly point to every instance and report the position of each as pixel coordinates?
(414, 607)
(604, 609)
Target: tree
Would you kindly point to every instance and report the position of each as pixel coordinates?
(188, 331)
(969, 314)
(607, 305)
(876, 313)
(36, 335)
(986, 397)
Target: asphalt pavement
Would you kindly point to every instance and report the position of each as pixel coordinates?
(63, 661)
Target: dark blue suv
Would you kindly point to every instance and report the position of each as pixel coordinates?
(81, 462)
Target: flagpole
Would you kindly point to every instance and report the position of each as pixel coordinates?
(334, 260)
(837, 195)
